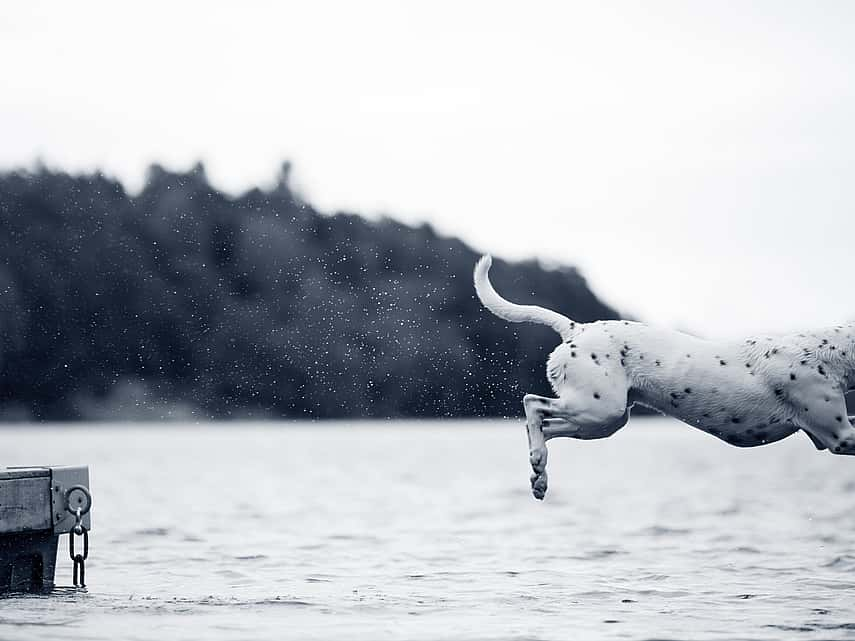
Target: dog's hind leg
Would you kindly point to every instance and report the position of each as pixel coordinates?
(554, 427)
(548, 418)
(536, 408)
(558, 426)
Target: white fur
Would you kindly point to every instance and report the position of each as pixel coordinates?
(747, 393)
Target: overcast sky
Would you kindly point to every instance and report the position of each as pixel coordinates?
(695, 160)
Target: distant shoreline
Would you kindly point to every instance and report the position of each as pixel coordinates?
(183, 301)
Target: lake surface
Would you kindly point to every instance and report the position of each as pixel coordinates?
(427, 530)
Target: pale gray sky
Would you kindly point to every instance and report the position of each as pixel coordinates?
(695, 160)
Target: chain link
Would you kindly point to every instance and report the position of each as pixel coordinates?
(79, 572)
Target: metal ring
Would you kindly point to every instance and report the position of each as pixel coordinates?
(86, 493)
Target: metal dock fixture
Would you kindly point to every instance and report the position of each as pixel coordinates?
(37, 505)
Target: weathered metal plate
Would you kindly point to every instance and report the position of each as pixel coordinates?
(62, 479)
(25, 504)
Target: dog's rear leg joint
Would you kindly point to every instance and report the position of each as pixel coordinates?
(535, 409)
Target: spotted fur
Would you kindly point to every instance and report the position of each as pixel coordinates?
(746, 393)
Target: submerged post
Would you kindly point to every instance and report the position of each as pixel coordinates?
(37, 505)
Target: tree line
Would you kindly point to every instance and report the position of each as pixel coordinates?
(251, 306)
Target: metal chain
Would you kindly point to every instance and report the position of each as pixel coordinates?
(79, 572)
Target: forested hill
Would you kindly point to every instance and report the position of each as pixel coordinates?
(183, 301)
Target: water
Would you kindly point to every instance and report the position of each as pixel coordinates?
(427, 530)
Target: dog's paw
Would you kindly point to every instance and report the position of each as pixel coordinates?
(537, 457)
(538, 485)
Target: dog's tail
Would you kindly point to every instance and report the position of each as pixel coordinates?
(513, 312)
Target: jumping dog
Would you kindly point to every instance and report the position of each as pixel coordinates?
(747, 393)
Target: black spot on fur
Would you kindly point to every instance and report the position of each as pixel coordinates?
(778, 391)
(675, 395)
(792, 376)
(573, 354)
(722, 363)
(688, 356)
(774, 350)
(688, 390)
(736, 419)
(747, 364)
(705, 415)
(825, 341)
(803, 362)
(658, 362)
(593, 356)
(596, 395)
(622, 363)
(839, 419)
(821, 370)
